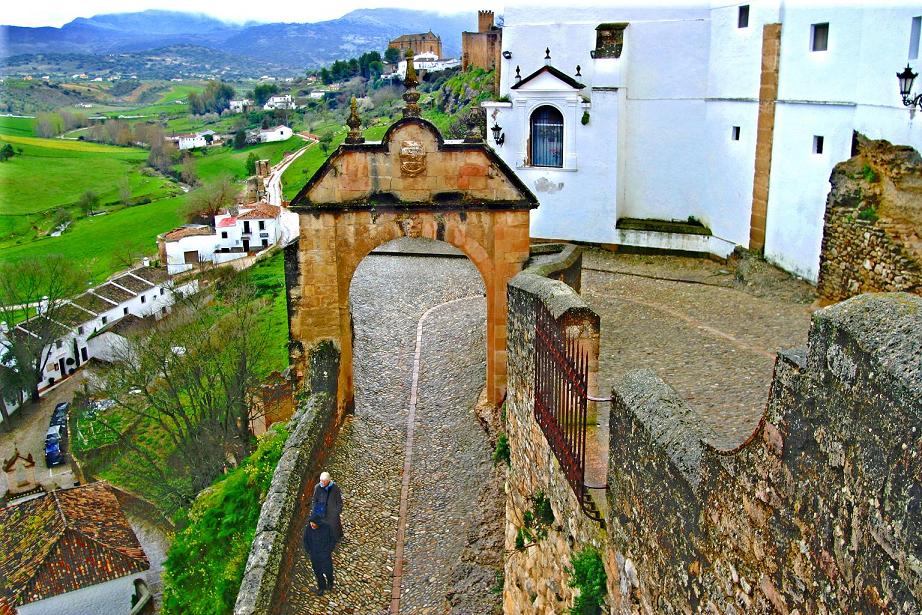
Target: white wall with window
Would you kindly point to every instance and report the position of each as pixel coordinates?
(659, 143)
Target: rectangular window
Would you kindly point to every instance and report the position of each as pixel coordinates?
(80, 330)
(143, 299)
(817, 144)
(262, 225)
(735, 133)
(914, 38)
(223, 234)
(105, 319)
(161, 292)
(742, 19)
(819, 37)
(125, 311)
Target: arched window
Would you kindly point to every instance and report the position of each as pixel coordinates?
(546, 137)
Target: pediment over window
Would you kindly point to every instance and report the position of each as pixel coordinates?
(548, 78)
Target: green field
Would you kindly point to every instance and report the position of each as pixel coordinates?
(17, 126)
(53, 173)
(165, 105)
(99, 241)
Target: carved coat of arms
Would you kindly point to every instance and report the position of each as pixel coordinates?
(412, 158)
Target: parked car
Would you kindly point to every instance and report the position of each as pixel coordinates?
(55, 446)
(59, 415)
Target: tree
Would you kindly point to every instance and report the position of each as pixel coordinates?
(196, 381)
(124, 191)
(392, 55)
(251, 164)
(6, 152)
(263, 91)
(187, 173)
(240, 139)
(47, 282)
(88, 202)
(326, 142)
(211, 198)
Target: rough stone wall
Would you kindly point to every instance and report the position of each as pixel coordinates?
(535, 580)
(819, 512)
(482, 50)
(287, 505)
(871, 236)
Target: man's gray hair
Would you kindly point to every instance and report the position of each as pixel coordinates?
(325, 476)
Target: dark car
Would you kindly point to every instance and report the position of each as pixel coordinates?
(55, 446)
(59, 415)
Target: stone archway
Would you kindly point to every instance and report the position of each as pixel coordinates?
(411, 184)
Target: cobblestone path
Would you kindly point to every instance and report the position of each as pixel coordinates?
(389, 295)
(714, 344)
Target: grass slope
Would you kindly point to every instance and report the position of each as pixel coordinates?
(17, 126)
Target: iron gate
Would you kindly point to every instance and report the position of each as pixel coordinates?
(561, 401)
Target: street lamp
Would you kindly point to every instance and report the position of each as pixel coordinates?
(498, 137)
(906, 78)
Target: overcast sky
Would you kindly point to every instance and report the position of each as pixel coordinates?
(58, 12)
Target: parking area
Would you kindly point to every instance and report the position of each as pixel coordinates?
(28, 435)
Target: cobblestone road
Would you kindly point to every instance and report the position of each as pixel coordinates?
(714, 344)
(389, 295)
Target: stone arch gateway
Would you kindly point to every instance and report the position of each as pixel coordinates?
(411, 184)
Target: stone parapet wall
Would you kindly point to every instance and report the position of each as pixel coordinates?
(871, 236)
(286, 507)
(820, 511)
(535, 580)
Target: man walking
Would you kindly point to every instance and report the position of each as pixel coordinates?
(319, 543)
(327, 504)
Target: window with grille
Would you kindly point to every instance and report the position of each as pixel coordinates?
(819, 37)
(546, 137)
(609, 40)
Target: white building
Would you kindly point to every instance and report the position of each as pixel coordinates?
(145, 292)
(252, 228)
(241, 105)
(190, 141)
(79, 555)
(276, 133)
(281, 101)
(426, 61)
(653, 113)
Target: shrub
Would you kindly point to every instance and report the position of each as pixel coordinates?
(206, 561)
(869, 214)
(868, 173)
(501, 452)
(587, 574)
(536, 521)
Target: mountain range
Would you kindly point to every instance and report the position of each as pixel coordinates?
(296, 46)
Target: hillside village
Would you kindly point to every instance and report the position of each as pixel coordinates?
(603, 309)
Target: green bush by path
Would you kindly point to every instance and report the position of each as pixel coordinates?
(205, 563)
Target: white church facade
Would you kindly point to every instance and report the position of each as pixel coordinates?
(731, 115)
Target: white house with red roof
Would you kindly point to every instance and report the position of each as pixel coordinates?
(234, 234)
(70, 551)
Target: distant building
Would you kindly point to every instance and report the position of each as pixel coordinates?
(425, 63)
(282, 101)
(70, 551)
(482, 49)
(190, 141)
(252, 228)
(419, 43)
(240, 106)
(276, 133)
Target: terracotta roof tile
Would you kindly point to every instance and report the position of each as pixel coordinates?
(261, 211)
(5, 607)
(72, 315)
(227, 222)
(64, 541)
(41, 326)
(187, 231)
(113, 293)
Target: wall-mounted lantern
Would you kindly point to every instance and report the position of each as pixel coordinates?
(507, 54)
(498, 136)
(906, 78)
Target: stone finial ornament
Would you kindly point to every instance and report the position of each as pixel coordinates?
(547, 56)
(355, 124)
(518, 73)
(411, 96)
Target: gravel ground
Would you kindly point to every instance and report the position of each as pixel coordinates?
(715, 344)
(389, 295)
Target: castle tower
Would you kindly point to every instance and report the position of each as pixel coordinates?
(484, 21)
